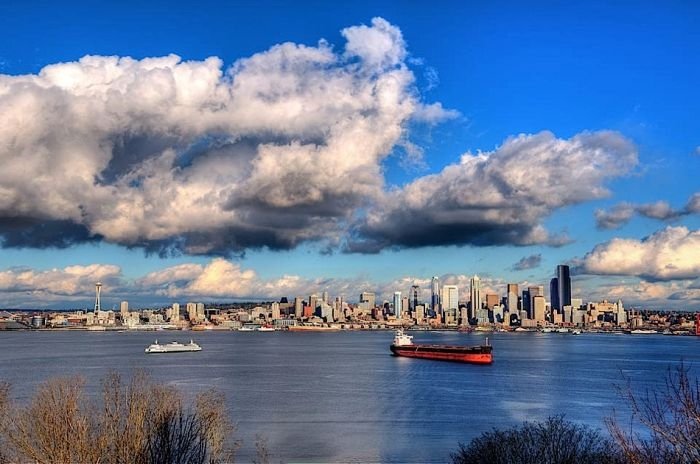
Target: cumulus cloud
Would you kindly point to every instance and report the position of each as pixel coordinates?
(622, 213)
(189, 156)
(498, 197)
(671, 253)
(528, 262)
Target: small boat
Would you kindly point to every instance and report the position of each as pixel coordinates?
(576, 332)
(403, 346)
(643, 332)
(173, 347)
(247, 328)
(265, 329)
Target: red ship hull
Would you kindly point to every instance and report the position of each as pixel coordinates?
(464, 354)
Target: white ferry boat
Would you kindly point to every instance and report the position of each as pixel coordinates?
(265, 329)
(643, 332)
(173, 347)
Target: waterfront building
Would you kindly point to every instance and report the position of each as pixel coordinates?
(123, 309)
(298, 307)
(563, 285)
(175, 313)
(397, 305)
(621, 318)
(191, 309)
(275, 309)
(200, 312)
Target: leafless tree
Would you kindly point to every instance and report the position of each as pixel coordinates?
(139, 422)
(665, 424)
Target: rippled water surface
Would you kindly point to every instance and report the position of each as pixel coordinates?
(341, 397)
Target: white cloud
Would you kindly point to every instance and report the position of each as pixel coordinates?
(173, 155)
(671, 253)
(498, 197)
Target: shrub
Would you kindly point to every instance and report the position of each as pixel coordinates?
(552, 441)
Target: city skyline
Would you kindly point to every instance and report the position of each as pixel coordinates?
(348, 149)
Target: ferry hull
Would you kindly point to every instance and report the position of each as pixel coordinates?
(471, 355)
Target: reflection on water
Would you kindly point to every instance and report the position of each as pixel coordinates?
(341, 397)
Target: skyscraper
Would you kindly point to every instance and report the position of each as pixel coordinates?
(474, 295)
(415, 291)
(450, 297)
(554, 294)
(512, 298)
(397, 305)
(563, 285)
(367, 297)
(435, 297)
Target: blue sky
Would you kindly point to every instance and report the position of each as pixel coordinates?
(498, 69)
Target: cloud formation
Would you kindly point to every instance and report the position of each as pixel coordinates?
(187, 156)
(527, 262)
(622, 213)
(669, 254)
(498, 197)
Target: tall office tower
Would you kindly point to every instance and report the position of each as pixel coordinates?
(275, 310)
(534, 291)
(415, 291)
(98, 290)
(564, 285)
(298, 307)
(554, 294)
(512, 301)
(397, 305)
(538, 308)
(491, 300)
(450, 297)
(525, 303)
(313, 301)
(367, 297)
(405, 306)
(175, 315)
(200, 312)
(324, 297)
(474, 295)
(435, 294)
(124, 308)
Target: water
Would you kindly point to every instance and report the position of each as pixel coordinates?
(341, 397)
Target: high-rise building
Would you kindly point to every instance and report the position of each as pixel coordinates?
(298, 307)
(324, 297)
(564, 285)
(474, 295)
(525, 303)
(313, 301)
(435, 294)
(367, 297)
(512, 301)
(175, 313)
(191, 311)
(554, 294)
(124, 308)
(397, 305)
(415, 292)
(537, 290)
(200, 312)
(275, 310)
(450, 297)
(538, 308)
(491, 300)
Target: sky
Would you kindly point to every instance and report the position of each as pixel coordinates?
(227, 151)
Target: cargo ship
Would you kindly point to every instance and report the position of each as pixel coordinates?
(403, 346)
